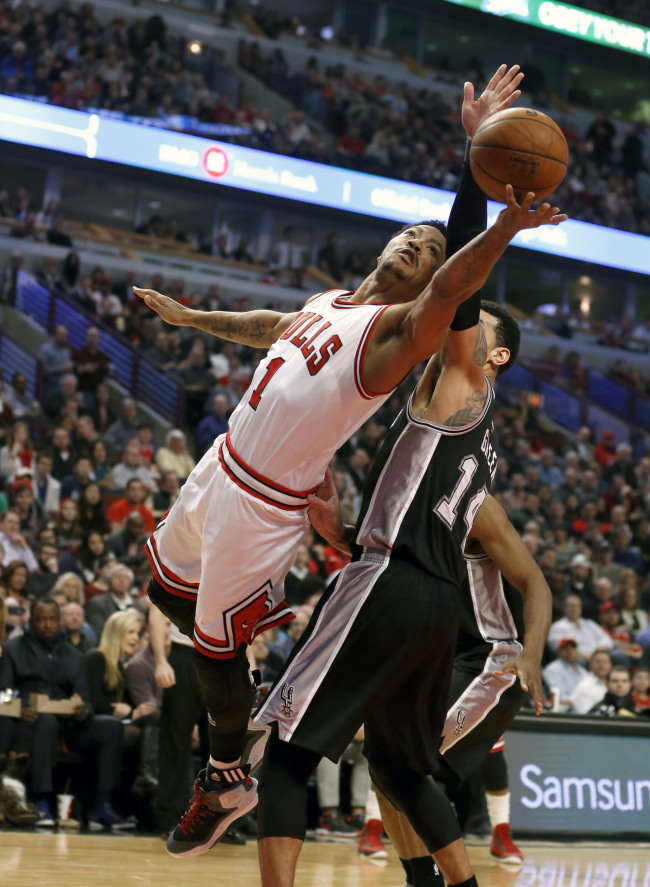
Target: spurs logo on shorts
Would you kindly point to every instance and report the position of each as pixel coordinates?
(287, 700)
(461, 717)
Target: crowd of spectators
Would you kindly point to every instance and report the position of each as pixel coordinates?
(363, 122)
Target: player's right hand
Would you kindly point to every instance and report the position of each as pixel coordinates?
(530, 678)
(165, 676)
(168, 309)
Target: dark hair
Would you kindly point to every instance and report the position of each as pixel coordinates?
(50, 601)
(431, 223)
(506, 329)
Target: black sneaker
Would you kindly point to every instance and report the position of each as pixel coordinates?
(212, 809)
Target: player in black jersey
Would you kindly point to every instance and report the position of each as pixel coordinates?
(484, 695)
(380, 646)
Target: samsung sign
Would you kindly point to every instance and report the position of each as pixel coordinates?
(103, 138)
(563, 18)
(563, 783)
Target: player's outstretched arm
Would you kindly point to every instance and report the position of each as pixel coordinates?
(325, 515)
(468, 269)
(504, 546)
(259, 329)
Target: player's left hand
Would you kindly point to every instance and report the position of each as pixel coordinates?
(498, 95)
(323, 511)
(530, 678)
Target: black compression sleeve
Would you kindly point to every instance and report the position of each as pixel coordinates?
(468, 218)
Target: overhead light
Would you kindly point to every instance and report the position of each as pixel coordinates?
(585, 305)
(327, 33)
(195, 47)
(584, 279)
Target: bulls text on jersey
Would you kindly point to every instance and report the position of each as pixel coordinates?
(303, 332)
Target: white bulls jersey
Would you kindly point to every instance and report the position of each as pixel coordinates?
(307, 397)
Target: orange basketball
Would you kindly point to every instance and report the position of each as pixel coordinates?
(518, 147)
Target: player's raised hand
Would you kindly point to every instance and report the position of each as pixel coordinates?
(521, 215)
(168, 309)
(529, 676)
(498, 95)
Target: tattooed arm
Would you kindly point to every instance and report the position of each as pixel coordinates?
(259, 329)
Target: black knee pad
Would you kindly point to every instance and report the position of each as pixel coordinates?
(226, 683)
(495, 772)
(421, 800)
(282, 809)
(178, 610)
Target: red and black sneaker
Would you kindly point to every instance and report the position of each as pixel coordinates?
(503, 847)
(370, 843)
(213, 807)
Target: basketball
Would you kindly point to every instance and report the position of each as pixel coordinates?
(519, 147)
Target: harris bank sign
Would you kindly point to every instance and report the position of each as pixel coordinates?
(565, 783)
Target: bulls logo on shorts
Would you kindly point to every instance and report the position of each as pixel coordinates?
(461, 717)
(287, 700)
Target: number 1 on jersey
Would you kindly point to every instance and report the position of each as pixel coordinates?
(271, 370)
(447, 508)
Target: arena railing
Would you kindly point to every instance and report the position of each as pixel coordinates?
(142, 378)
(604, 405)
(15, 359)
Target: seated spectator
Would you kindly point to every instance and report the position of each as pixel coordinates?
(16, 580)
(212, 425)
(141, 686)
(603, 563)
(267, 662)
(603, 592)
(107, 684)
(133, 500)
(17, 615)
(145, 443)
(591, 689)
(68, 527)
(46, 487)
(14, 545)
(588, 636)
(42, 661)
(164, 498)
(104, 418)
(76, 629)
(73, 485)
(292, 633)
(641, 691)
(101, 466)
(64, 454)
(605, 451)
(634, 618)
(127, 545)
(124, 429)
(93, 364)
(29, 511)
(17, 453)
(50, 565)
(131, 467)
(92, 551)
(618, 697)
(118, 597)
(98, 583)
(624, 652)
(23, 406)
(565, 672)
(72, 586)
(175, 456)
(91, 509)
(56, 357)
(293, 580)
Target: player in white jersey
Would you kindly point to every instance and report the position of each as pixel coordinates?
(220, 555)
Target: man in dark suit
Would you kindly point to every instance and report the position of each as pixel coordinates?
(118, 597)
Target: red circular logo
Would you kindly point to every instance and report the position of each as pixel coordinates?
(215, 162)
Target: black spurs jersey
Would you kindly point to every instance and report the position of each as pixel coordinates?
(424, 490)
